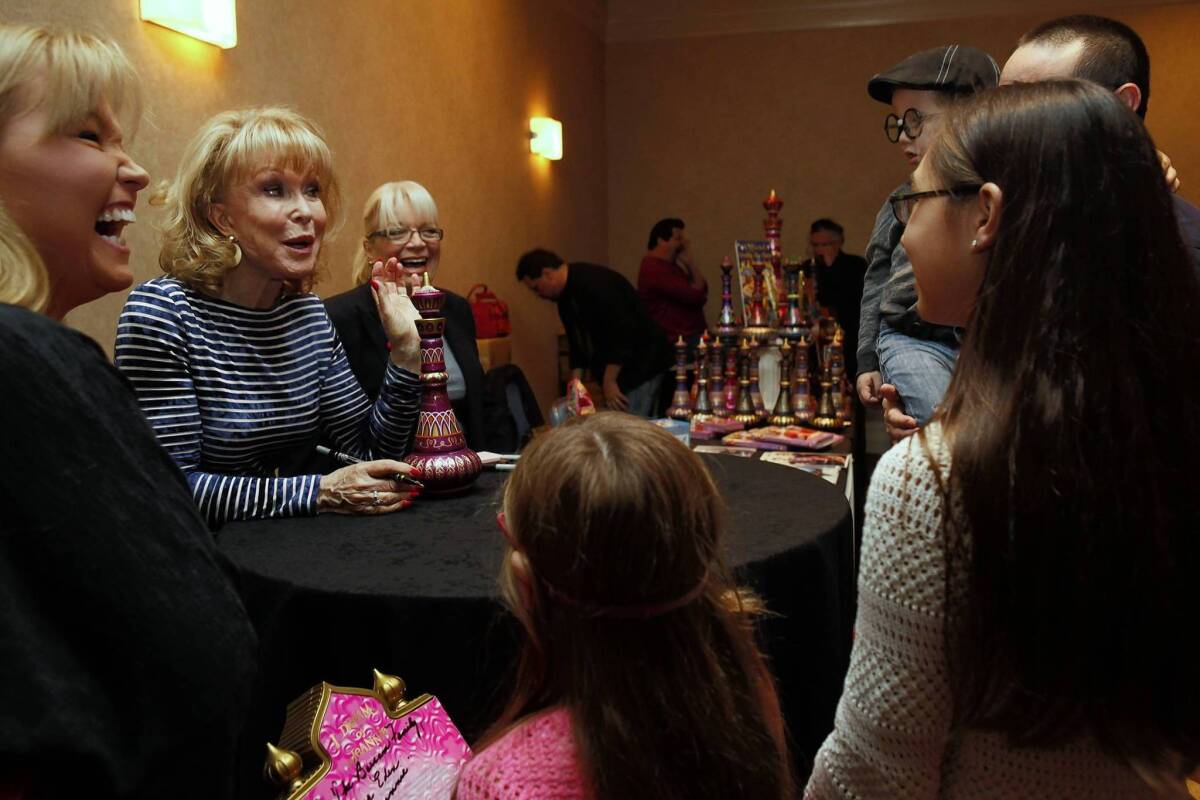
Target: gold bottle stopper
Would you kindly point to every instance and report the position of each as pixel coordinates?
(390, 690)
(283, 768)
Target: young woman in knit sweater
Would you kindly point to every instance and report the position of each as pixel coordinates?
(1027, 598)
(639, 676)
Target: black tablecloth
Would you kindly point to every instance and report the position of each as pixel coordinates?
(414, 594)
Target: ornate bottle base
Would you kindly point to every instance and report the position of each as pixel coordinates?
(447, 474)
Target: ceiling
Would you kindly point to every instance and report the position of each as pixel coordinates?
(644, 20)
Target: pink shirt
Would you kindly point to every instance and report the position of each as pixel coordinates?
(536, 760)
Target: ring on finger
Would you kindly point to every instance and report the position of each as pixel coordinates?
(375, 497)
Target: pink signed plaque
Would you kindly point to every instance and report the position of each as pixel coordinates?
(357, 744)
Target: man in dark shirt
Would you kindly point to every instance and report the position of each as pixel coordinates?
(1106, 52)
(672, 289)
(839, 282)
(1103, 51)
(607, 328)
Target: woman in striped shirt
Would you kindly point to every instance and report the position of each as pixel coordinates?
(235, 363)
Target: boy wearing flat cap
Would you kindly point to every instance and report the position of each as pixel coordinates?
(898, 352)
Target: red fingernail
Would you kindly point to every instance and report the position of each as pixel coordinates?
(405, 504)
(376, 285)
(416, 472)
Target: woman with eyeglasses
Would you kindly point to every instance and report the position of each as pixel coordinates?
(902, 358)
(400, 220)
(1027, 596)
(236, 363)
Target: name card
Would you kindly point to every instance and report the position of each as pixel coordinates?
(341, 743)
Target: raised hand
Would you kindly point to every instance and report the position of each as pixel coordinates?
(397, 313)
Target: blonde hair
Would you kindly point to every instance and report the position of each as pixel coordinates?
(80, 71)
(384, 208)
(230, 148)
(23, 278)
(76, 72)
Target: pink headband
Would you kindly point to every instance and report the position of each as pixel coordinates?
(641, 611)
(633, 611)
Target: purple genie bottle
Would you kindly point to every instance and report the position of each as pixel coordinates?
(447, 465)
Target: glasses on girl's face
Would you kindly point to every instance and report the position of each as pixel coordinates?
(910, 122)
(401, 235)
(903, 202)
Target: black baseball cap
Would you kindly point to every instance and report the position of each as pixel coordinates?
(951, 68)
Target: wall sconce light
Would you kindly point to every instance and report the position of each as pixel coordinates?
(545, 138)
(212, 21)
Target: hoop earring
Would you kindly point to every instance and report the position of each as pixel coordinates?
(237, 249)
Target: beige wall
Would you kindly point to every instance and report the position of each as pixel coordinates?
(702, 128)
(439, 91)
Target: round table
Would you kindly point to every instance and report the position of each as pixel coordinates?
(414, 594)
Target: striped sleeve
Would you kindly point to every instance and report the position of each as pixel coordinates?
(369, 432)
(151, 351)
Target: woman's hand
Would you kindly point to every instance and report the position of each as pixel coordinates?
(397, 313)
(1169, 173)
(369, 487)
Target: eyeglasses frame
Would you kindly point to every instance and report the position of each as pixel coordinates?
(441, 233)
(910, 197)
(902, 126)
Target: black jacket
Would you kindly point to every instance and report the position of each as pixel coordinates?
(358, 326)
(606, 323)
(127, 661)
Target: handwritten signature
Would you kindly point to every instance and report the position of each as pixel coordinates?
(366, 770)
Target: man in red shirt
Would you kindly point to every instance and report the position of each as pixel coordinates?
(673, 291)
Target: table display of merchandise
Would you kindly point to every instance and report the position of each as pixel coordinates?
(729, 390)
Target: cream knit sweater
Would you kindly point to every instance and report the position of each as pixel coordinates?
(892, 736)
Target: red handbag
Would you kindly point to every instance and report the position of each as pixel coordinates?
(490, 312)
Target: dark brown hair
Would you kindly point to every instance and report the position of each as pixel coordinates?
(1113, 54)
(614, 511)
(1073, 516)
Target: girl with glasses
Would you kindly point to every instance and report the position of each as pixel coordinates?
(1027, 590)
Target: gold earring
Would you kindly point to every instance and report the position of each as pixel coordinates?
(237, 249)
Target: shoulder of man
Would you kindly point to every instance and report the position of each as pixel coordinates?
(1188, 217)
(597, 273)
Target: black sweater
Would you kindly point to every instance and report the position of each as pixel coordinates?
(126, 658)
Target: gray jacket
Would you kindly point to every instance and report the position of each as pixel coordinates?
(890, 292)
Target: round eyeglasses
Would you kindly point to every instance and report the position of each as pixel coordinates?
(903, 202)
(909, 123)
(401, 235)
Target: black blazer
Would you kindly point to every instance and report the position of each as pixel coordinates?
(357, 322)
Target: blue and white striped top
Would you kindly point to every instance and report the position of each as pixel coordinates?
(229, 389)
